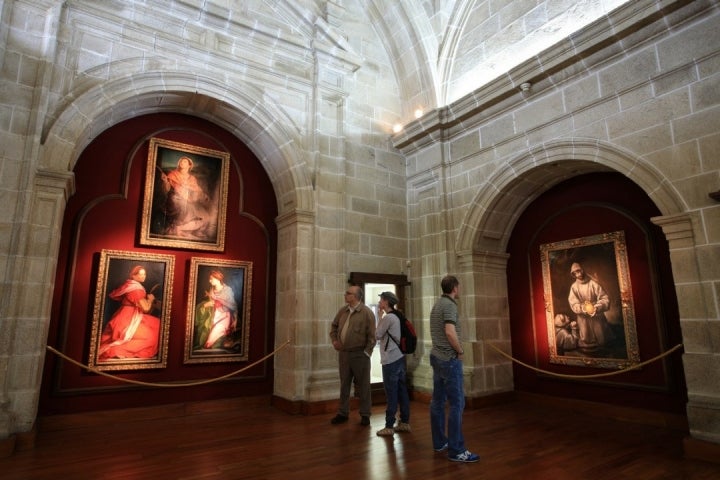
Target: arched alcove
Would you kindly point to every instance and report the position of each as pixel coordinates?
(102, 238)
(94, 109)
(494, 218)
(602, 223)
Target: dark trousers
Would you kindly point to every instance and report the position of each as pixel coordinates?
(354, 366)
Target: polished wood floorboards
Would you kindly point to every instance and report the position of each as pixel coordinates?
(250, 439)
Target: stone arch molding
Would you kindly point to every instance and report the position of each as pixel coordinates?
(512, 187)
(260, 125)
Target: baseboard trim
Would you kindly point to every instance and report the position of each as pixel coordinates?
(694, 449)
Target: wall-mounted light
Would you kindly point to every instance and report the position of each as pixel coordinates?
(419, 113)
(397, 128)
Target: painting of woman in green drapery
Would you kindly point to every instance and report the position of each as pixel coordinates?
(216, 317)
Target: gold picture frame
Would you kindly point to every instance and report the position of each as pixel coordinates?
(218, 311)
(185, 198)
(131, 323)
(588, 302)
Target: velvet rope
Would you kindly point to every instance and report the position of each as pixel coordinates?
(203, 382)
(180, 384)
(596, 375)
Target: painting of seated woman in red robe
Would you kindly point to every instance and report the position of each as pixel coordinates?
(130, 327)
(132, 332)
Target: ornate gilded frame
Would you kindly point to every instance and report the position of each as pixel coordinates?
(603, 257)
(114, 270)
(232, 347)
(185, 210)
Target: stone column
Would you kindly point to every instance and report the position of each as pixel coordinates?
(294, 304)
(483, 293)
(31, 274)
(307, 299)
(696, 278)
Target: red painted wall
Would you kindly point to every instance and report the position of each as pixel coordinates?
(105, 213)
(584, 206)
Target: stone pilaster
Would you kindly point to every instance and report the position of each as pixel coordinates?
(483, 294)
(31, 271)
(294, 304)
(695, 284)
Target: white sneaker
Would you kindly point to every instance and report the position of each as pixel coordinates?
(403, 427)
(465, 457)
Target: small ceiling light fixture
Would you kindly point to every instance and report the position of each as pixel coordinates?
(525, 87)
(418, 113)
(397, 128)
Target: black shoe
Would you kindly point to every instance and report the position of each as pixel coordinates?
(337, 419)
(365, 421)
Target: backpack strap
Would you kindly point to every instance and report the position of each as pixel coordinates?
(390, 335)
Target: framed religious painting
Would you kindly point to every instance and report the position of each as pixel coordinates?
(218, 313)
(185, 198)
(131, 314)
(588, 302)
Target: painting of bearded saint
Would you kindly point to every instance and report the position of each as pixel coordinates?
(188, 209)
(185, 196)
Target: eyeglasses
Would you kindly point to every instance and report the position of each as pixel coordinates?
(349, 293)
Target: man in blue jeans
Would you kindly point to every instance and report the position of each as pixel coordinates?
(446, 361)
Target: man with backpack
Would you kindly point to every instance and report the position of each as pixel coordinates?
(392, 359)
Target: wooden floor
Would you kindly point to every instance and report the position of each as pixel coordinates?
(253, 440)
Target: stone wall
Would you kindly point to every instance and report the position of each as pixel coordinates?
(644, 102)
(313, 103)
(635, 92)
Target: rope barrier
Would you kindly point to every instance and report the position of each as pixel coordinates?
(274, 352)
(149, 384)
(596, 375)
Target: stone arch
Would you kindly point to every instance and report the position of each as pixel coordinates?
(264, 128)
(261, 126)
(485, 231)
(503, 197)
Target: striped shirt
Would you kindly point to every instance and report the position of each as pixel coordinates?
(444, 311)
